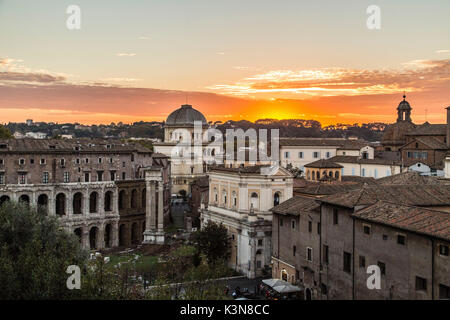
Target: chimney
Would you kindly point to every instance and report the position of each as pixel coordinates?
(448, 127)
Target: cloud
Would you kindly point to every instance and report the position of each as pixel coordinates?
(442, 51)
(415, 76)
(126, 54)
(119, 79)
(30, 77)
(220, 53)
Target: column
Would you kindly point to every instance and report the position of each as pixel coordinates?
(101, 237)
(160, 207)
(69, 204)
(85, 238)
(152, 205)
(115, 234)
(85, 202)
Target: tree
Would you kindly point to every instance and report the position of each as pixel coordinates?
(5, 133)
(212, 242)
(34, 254)
(296, 172)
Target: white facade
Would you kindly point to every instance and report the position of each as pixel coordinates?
(241, 202)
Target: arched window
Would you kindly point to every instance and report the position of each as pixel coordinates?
(135, 233)
(107, 236)
(336, 174)
(234, 198)
(43, 202)
(216, 196)
(78, 232)
(3, 199)
(330, 173)
(77, 203)
(108, 201)
(60, 204)
(317, 175)
(25, 199)
(93, 202)
(308, 175)
(224, 197)
(122, 199)
(93, 235)
(276, 199)
(254, 200)
(122, 235)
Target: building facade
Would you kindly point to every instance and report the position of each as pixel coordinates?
(81, 182)
(241, 199)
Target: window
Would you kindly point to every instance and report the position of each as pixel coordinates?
(86, 177)
(192, 170)
(335, 216)
(362, 261)
(443, 250)
(310, 226)
(318, 227)
(45, 177)
(99, 175)
(444, 292)
(260, 242)
(2, 178)
(110, 160)
(62, 162)
(327, 155)
(99, 160)
(124, 176)
(363, 173)
(382, 266)
(315, 154)
(123, 164)
(42, 161)
(113, 175)
(22, 178)
(421, 284)
(325, 254)
(32, 161)
(401, 239)
(385, 237)
(309, 254)
(293, 224)
(132, 158)
(66, 177)
(347, 262)
(294, 249)
(86, 160)
(353, 171)
(281, 222)
(286, 154)
(258, 264)
(366, 229)
(300, 155)
(21, 161)
(323, 288)
(409, 154)
(2, 161)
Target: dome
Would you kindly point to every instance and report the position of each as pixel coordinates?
(185, 116)
(404, 105)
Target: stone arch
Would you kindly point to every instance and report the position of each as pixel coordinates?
(144, 198)
(135, 233)
(108, 200)
(79, 233)
(93, 202)
(77, 203)
(107, 235)
(3, 199)
(60, 204)
(24, 198)
(134, 198)
(122, 199)
(276, 198)
(43, 202)
(93, 238)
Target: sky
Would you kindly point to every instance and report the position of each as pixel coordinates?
(249, 59)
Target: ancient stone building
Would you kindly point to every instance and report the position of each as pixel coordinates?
(84, 182)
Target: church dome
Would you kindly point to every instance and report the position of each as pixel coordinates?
(185, 116)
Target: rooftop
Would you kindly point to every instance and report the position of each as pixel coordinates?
(323, 163)
(415, 219)
(296, 206)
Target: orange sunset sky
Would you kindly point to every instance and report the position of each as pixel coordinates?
(232, 60)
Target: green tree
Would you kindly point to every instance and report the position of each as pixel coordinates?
(5, 133)
(34, 254)
(212, 242)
